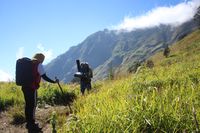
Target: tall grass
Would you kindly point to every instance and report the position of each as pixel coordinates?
(139, 105)
(163, 99)
(11, 95)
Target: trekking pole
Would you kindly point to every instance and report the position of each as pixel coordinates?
(59, 85)
(63, 94)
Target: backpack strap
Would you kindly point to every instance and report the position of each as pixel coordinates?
(36, 76)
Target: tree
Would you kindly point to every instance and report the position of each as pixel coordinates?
(111, 72)
(166, 51)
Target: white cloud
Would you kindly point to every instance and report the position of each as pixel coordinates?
(5, 77)
(20, 53)
(172, 15)
(48, 53)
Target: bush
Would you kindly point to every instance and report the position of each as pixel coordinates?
(149, 64)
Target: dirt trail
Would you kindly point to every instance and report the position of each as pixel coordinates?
(42, 117)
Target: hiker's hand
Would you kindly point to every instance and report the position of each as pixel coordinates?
(57, 81)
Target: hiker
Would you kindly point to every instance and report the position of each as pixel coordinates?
(30, 91)
(85, 80)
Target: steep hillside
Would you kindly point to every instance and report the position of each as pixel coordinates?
(165, 98)
(137, 46)
(162, 99)
(121, 50)
(182, 51)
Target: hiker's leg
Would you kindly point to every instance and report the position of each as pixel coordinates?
(35, 104)
(88, 86)
(82, 87)
(29, 104)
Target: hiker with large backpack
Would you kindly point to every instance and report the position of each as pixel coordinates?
(85, 74)
(28, 75)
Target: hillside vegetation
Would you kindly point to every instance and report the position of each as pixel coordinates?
(110, 48)
(165, 98)
(50, 98)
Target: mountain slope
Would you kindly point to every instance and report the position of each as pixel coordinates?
(95, 49)
(162, 99)
(120, 50)
(185, 50)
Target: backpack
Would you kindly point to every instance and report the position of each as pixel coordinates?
(86, 70)
(24, 72)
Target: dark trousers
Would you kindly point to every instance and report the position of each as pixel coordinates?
(30, 97)
(85, 85)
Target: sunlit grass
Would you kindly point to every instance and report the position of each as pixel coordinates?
(162, 99)
(165, 98)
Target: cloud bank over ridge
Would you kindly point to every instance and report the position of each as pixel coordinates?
(172, 15)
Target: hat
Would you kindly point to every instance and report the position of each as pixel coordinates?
(39, 57)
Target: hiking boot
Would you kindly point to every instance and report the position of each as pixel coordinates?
(33, 127)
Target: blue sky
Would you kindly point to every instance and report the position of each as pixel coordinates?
(53, 26)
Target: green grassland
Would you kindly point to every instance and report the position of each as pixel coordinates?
(11, 95)
(165, 98)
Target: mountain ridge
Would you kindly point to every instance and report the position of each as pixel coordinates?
(120, 50)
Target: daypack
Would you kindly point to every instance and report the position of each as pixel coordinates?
(24, 71)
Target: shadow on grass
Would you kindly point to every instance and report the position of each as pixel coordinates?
(65, 98)
(5, 104)
(57, 98)
(18, 119)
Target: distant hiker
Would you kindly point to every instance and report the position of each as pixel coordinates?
(85, 74)
(86, 78)
(28, 75)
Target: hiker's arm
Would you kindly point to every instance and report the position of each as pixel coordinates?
(44, 76)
